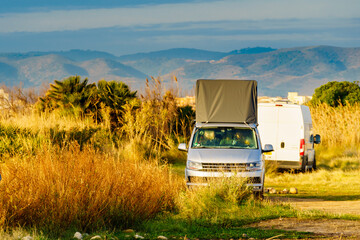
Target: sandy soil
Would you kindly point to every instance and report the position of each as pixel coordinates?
(323, 228)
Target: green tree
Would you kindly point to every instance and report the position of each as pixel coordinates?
(335, 93)
(71, 94)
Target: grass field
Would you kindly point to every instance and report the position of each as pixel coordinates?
(63, 174)
(324, 184)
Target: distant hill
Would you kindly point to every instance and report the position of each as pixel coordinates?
(33, 70)
(75, 55)
(255, 50)
(277, 71)
(176, 53)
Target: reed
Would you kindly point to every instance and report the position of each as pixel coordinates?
(340, 135)
(338, 126)
(86, 190)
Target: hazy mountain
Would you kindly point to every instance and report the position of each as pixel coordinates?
(296, 69)
(34, 70)
(75, 55)
(182, 53)
(278, 71)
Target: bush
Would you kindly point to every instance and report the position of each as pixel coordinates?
(336, 93)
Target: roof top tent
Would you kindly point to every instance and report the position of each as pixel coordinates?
(226, 101)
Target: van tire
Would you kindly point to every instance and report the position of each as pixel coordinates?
(303, 164)
(314, 165)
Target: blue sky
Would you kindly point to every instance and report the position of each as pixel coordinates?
(130, 26)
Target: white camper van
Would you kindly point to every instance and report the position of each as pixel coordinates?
(225, 140)
(288, 127)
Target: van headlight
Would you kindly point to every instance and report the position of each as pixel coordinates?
(254, 166)
(194, 165)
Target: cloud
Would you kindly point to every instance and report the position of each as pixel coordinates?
(191, 13)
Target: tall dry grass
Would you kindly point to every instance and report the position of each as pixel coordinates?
(87, 190)
(154, 128)
(339, 128)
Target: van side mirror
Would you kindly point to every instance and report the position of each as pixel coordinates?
(317, 139)
(182, 147)
(268, 148)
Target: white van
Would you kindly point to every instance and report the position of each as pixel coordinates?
(288, 127)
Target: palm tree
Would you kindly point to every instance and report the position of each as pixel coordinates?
(71, 94)
(115, 94)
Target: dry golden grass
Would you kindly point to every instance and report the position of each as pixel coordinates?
(42, 122)
(338, 127)
(56, 190)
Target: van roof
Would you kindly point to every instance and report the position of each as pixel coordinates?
(280, 104)
(305, 111)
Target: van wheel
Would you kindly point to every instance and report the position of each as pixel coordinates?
(314, 164)
(303, 165)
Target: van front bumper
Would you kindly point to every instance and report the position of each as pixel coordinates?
(255, 179)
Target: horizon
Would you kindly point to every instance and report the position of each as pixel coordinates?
(160, 50)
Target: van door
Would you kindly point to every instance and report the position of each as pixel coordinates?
(290, 133)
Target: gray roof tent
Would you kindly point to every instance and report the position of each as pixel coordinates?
(226, 101)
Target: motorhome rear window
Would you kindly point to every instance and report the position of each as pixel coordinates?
(225, 137)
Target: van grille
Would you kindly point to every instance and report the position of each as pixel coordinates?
(226, 167)
(250, 180)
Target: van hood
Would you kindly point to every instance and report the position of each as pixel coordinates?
(224, 155)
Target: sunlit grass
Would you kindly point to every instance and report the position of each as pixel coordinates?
(339, 129)
(56, 190)
(325, 184)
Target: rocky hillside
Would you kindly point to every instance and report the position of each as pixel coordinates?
(277, 71)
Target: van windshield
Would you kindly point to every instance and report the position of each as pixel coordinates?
(225, 137)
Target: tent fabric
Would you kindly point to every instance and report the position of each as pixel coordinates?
(226, 101)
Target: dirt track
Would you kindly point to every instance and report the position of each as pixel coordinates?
(329, 228)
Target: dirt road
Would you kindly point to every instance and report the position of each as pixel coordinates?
(329, 228)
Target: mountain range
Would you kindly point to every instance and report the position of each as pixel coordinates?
(277, 71)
